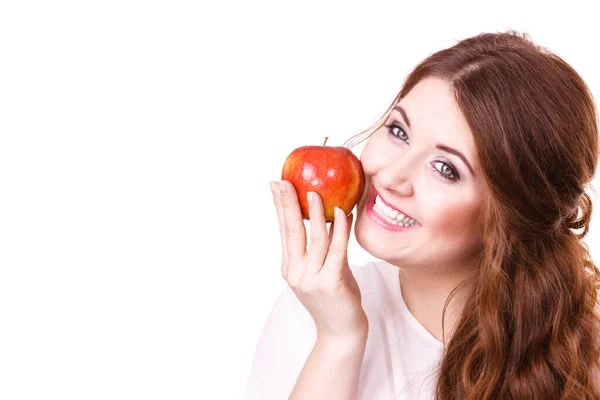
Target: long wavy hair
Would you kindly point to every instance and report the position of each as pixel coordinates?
(529, 328)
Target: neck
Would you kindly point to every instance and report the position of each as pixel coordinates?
(425, 294)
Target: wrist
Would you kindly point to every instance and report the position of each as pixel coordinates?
(350, 338)
(342, 344)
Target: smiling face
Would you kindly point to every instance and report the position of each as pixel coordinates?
(423, 191)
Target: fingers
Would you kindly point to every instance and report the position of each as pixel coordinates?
(327, 251)
(337, 256)
(279, 208)
(294, 232)
(319, 240)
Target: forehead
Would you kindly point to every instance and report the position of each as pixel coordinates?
(433, 113)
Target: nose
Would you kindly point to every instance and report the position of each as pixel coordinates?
(397, 177)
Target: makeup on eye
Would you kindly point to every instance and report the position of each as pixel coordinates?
(399, 133)
(404, 116)
(395, 125)
(454, 176)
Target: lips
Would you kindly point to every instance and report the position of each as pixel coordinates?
(388, 222)
(375, 193)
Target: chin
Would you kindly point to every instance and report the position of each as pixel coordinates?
(370, 240)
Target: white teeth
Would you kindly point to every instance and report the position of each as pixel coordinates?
(390, 215)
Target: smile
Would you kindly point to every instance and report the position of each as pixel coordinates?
(388, 216)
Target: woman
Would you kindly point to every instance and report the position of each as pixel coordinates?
(475, 204)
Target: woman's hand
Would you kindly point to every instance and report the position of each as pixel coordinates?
(320, 277)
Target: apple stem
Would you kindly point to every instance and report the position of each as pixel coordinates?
(326, 137)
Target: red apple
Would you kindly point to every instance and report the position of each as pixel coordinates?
(335, 173)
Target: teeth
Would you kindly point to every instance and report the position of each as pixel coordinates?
(392, 216)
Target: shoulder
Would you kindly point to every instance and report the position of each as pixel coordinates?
(376, 273)
(379, 285)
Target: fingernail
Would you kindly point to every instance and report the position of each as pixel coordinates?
(272, 185)
(282, 188)
(310, 196)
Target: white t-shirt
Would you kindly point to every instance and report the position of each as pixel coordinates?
(401, 357)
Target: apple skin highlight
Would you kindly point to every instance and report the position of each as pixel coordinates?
(334, 172)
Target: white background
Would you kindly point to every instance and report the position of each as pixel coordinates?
(138, 241)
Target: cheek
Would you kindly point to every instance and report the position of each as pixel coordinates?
(458, 220)
(376, 154)
(367, 158)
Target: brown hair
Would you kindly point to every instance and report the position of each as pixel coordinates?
(529, 328)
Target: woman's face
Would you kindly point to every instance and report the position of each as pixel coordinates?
(422, 166)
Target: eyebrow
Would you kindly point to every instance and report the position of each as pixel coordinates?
(440, 146)
(457, 154)
(401, 111)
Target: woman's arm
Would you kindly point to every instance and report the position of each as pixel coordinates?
(331, 371)
(321, 279)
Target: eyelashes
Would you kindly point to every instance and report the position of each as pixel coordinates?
(391, 127)
(450, 173)
(452, 176)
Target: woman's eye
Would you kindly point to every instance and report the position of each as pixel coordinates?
(445, 171)
(398, 132)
